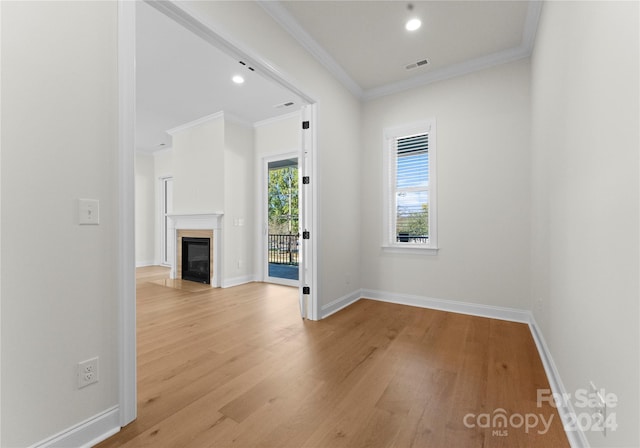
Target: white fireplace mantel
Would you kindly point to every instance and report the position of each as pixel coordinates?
(197, 221)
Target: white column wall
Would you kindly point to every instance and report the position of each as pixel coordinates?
(586, 202)
(59, 282)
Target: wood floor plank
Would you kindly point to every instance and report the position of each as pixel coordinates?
(237, 367)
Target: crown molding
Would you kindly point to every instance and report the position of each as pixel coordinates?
(268, 121)
(226, 116)
(232, 118)
(451, 71)
(195, 122)
(280, 14)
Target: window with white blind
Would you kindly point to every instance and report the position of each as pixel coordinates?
(410, 177)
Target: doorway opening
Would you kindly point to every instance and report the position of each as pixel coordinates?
(128, 94)
(283, 217)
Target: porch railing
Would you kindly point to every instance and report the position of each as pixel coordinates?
(409, 238)
(284, 249)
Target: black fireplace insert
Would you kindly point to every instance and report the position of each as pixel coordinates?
(196, 264)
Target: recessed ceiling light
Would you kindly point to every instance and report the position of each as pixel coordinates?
(413, 24)
(238, 79)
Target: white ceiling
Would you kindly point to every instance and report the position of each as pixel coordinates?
(365, 44)
(180, 78)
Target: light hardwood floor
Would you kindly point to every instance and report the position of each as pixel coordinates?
(239, 368)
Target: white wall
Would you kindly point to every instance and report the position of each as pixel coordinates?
(482, 123)
(239, 219)
(145, 209)
(338, 137)
(59, 143)
(276, 137)
(586, 203)
(198, 168)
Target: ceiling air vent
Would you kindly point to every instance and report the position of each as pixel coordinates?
(283, 105)
(416, 64)
(245, 64)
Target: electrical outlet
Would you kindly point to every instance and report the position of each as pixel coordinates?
(87, 372)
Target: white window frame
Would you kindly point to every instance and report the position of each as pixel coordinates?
(389, 242)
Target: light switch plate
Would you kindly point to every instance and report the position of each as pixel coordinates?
(88, 211)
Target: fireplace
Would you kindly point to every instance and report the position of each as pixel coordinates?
(196, 262)
(207, 226)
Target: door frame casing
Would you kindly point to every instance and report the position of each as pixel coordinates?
(308, 166)
(127, 393)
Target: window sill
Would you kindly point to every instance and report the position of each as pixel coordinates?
(397, 249)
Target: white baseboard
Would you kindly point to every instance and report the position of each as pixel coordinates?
(142, 264)
(338, 304)
(474, 309)
(577, 438)
(237, 281)
(87, 433)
